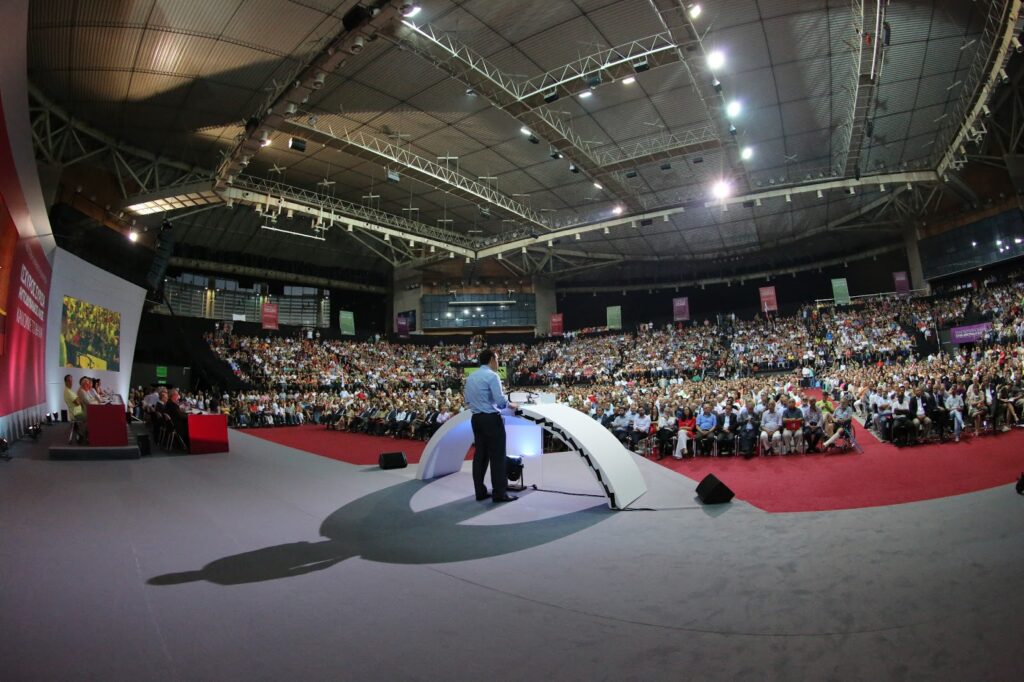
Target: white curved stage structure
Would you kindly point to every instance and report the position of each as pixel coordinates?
(604, 455)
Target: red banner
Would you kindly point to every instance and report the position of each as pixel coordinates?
(269, 315)
(768, 300)
(901, 282)
(681, 309)
(23, 363)
(556, 324)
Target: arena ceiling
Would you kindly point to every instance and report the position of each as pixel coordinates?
(458, 100)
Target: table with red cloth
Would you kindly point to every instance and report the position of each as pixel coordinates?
(207, 433)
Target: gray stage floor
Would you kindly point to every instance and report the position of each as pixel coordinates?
(273, 564)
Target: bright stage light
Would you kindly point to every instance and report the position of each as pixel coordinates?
(746, 153)
(617, 210)
(733, 108)
(629, 80)
(716, 60)
(720, 189)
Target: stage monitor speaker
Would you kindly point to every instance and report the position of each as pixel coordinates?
(713, 491)
(392, 460)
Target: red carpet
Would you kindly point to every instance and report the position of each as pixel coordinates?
(882, 475)
(353, 448)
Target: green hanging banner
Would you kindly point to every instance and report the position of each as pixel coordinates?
(347, 322)
(614, 316)
(840, 291)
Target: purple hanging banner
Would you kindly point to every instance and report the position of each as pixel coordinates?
(902, 283)
(968, 333)
(681, 309)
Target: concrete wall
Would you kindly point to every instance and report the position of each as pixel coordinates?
(403, 298)
(546, 304)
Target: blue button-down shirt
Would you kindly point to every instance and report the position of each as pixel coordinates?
(483, 391)
(706, 422)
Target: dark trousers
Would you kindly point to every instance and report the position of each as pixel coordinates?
(489, 439)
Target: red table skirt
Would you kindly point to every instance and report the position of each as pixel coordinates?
(207, 433)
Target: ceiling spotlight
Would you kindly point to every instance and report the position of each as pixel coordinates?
(533, 139)
(1017, 240)
(732, 109)
(999, 242)
(470, 92)
(411, 243)
(628, 80)
(318, 80)
(577, 236)
(573, 168)
(720, 189)
(852, 192)
(550, 96)
(641, 65)
(297, 143)
(757, 202)
(585, 94)
(524, 249)
(617, 210)
(693, 10)
(820, 195)
(789, 199)
(597, 185)
(551, 243)
(500, 257)
(410, 10)
(555, 154)
(451, 256)
(732, 129)
(716, 60)
(525, 131)
(133, 236)
(387, 237)
(974, 243)
(746, 153)
(881, 187)
(606, 230)
(717, 85)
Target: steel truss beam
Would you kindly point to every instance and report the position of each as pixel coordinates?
(62, 140)
(1002, 23)
(860, 255)
(868, 17)
(295, 91)
(462, 63)
(426, 171)
(676, 20)
(275, 198)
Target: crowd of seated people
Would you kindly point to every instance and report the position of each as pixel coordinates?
(712, 387)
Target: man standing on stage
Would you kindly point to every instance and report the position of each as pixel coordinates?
(485, 398)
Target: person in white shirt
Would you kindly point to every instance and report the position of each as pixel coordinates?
(666, 429)
(641, 428)
(955, 405)
(771, 430)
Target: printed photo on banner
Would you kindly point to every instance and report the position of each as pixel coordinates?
(90, 336)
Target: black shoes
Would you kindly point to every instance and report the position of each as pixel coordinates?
(506, 498)
(481, 498)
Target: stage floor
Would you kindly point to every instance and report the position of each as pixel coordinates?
(270, 563)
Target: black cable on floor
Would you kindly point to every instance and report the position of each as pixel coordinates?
(650, 509)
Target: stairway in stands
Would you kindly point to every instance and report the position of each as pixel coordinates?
(925, 346)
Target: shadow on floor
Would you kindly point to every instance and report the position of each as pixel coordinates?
(382, 527)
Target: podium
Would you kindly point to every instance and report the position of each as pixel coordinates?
(611, 464)
(107, 425)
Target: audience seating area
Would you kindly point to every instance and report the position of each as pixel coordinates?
(767, 386)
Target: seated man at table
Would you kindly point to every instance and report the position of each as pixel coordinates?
(178, 417)
(76, 410)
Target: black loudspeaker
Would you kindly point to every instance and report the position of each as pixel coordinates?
(392, 460)
(145, 447)
(713, 491)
